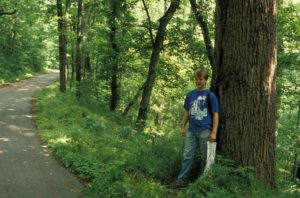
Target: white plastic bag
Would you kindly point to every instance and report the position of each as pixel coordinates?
(211, 154)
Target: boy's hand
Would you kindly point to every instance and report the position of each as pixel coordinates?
(182, 132)
(212, 137)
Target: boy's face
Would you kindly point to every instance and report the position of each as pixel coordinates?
(200, 82)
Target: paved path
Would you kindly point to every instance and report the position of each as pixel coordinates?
(26, 168)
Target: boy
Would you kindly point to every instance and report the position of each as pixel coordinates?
(201, 111)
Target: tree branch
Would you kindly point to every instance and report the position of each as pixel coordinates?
(149, 21)
(8, 13)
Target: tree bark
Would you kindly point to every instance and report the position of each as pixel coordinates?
(246, 62)
(78, 46)
(158, 43)
(115, 88)
(62, 45)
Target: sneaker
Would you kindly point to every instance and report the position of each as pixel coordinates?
(179, 184)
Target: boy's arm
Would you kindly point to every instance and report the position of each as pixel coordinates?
(183, 123)
(213, 134)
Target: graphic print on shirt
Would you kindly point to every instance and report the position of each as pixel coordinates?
(198, 110)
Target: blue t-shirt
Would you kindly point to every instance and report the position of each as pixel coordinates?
(200, 117)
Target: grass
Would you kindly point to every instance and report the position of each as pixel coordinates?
(114, 160)
(111, 157)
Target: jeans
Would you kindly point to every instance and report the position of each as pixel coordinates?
(191, 142)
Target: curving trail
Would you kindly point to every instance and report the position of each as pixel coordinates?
(26, 168)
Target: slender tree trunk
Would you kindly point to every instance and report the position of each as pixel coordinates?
(87, 64)
(296, 167)
(115, 87)
(66, 19)
(134, 99)
(205, 32)
(72, 64)
(158, 43)
(298, 117)
(246, 62)
(62, 45)
(149, 21)
(86, 24)
(73, 28)
(78, 46)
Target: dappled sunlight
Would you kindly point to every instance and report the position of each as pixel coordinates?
(154, 132)
(29, 87)
(13, 127)
(117, 122)
(62, 140)
(46, 155)
(281, 170)
(22, 157)
(53, 70)
(29, 148)
(269, 84)
(45, 151)
(22, 130)
(24, 89)
(3, 139)
(22, 99)
(28, 75)
(28, 116)
(3, 151)
(26, 134)
(42, 151)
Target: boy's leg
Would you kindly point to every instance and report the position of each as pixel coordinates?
(188, 155)
(203, 138)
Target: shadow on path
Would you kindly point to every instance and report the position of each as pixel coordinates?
(26, 168)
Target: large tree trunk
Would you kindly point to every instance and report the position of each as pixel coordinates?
(246, 61)
(78, 46)
(115, 95)
(157, 46)
(62, 45)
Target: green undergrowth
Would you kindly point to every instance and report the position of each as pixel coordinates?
(9, 76)
(113, 160)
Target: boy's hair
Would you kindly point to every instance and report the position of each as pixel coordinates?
(201, 72)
